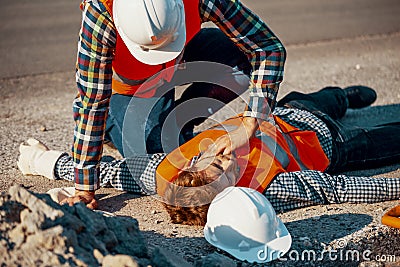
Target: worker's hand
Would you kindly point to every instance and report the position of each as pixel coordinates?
(86, 197)
(229, 142)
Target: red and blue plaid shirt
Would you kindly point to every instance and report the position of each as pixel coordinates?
(94, 74)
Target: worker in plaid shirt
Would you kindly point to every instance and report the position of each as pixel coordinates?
(113, 62)
(346, 147)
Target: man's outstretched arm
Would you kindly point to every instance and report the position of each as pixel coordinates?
(306, 188)
(135, 175)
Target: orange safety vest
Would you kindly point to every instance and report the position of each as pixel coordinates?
(269, 153)
(130, 74)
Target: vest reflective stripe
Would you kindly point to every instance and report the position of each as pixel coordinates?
(294, 151)
(279, 152)
(267, 155)
(146, 91)
(127, 66)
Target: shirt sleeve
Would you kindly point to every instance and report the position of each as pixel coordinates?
(134, 175)
(93, 77)
(306, 188)
(264, 50)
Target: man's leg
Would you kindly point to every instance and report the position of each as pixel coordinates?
(135, 125)
(366, 147)
(353, 147)
(331, 101)
(212, 45)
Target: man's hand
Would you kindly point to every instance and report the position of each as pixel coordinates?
(229, 142)
(82, 196)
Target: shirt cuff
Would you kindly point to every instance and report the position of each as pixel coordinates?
(258, 107)
(87, 179)
(261, 102)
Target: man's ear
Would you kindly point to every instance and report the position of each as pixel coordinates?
(185, 167)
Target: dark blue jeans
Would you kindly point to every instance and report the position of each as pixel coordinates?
(136, 126)
(353, 147)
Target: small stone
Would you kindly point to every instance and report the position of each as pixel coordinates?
(3, 243)
(307, 243)
(173, 233)
(154, 212)
(98, 255)
(17, 236)
(158, 221)
(43, 128)
(80, 262)
(358, 67)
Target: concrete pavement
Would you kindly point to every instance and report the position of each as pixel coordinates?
(34, 99)
(371, 61)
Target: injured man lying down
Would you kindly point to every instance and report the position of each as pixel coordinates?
(294, 159)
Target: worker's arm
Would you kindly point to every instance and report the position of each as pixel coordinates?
(306, 188)
(265, 52)
(93, 76)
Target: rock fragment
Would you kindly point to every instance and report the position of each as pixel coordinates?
(36, 231)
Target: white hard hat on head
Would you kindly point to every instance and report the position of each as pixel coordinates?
(242, 222)
(153, 30)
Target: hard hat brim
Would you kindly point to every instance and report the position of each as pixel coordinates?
(159, 55)
(259, 253)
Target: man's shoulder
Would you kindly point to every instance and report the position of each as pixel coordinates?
(218, 3)
(295, 116)
(100, 5)
(280, 111)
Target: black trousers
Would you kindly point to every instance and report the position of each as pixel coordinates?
(353, 147)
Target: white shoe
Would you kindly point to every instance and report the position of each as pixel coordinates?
(36, 159)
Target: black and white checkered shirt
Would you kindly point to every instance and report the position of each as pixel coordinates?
(288, 190)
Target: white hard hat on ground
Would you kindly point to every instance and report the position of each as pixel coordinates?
(242, 222)
(154, 31)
